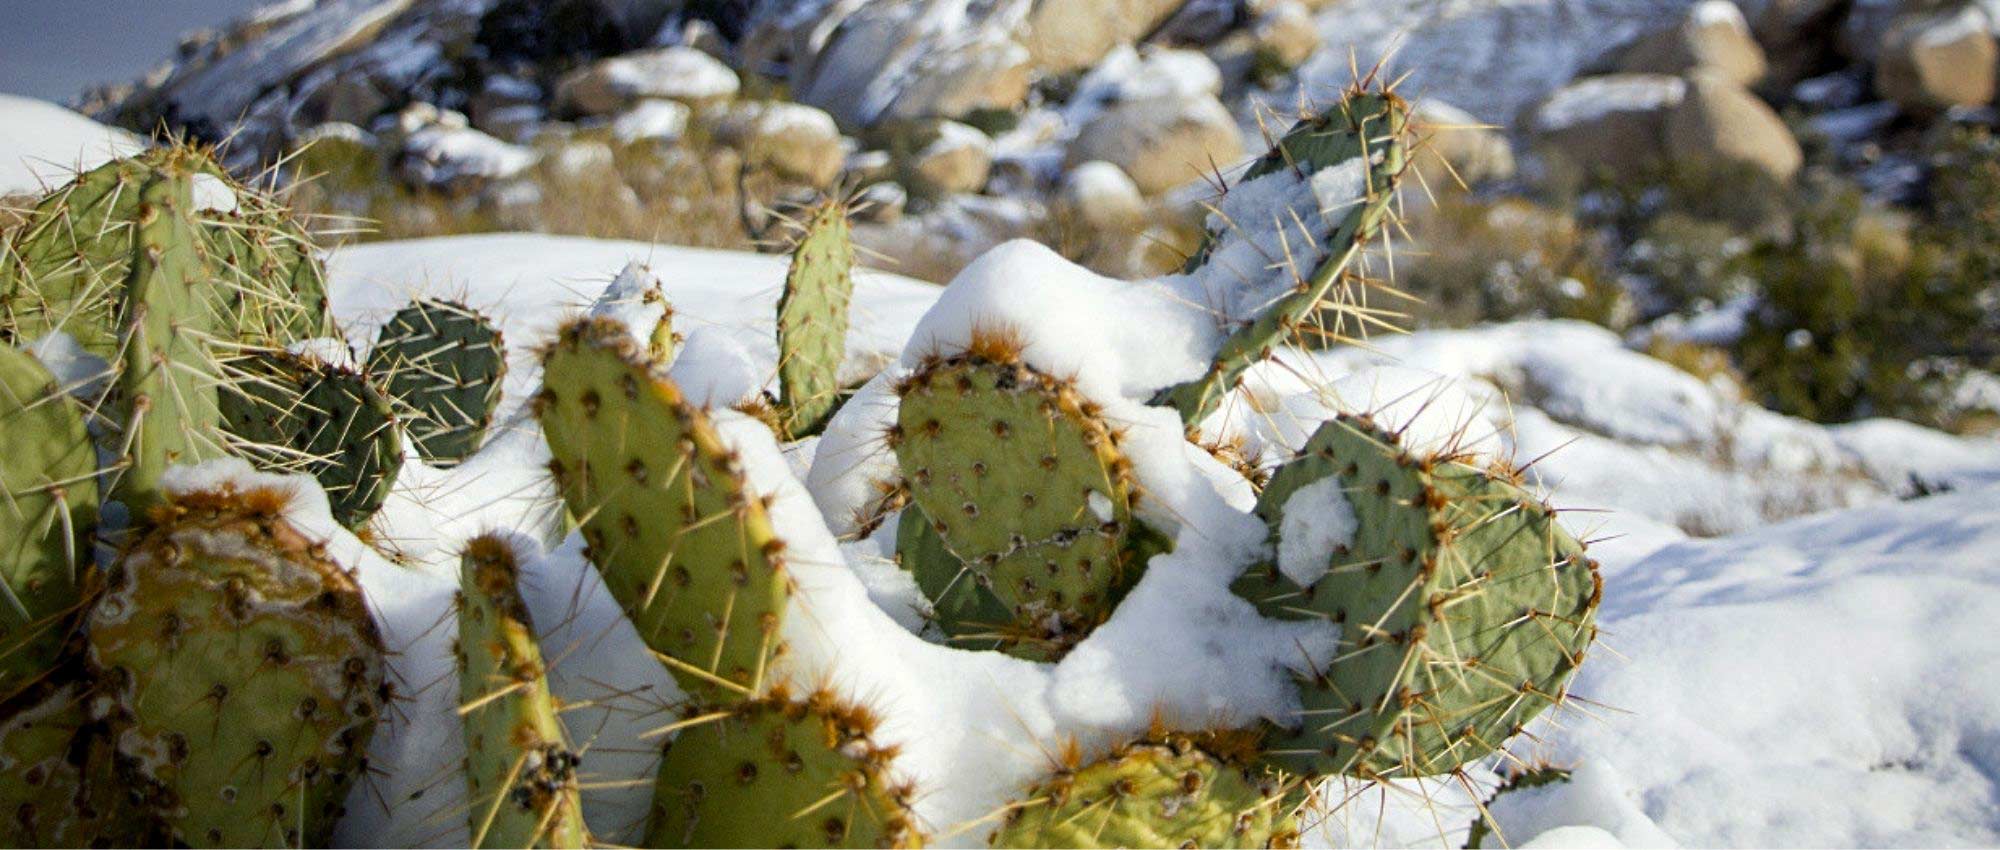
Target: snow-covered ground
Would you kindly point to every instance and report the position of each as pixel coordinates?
(42, 145)
(1822, 681)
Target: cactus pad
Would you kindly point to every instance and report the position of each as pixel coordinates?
(293, 414)
(1464, 608)
(778, 772)
(1166, 791)
(683, 545)
(519, 766)
(242, 670)
(48, 510)
(812, 320)
(1024, 483)
(1366, 134)
(61, 789)
(444, 363)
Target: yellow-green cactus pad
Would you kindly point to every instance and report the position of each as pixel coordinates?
(241, 670)
(519, 767)
(1464, 607)
(48, 509)
(812, 320)
(60, 788)
(780, 772)
(1165, 791)
(683, 545)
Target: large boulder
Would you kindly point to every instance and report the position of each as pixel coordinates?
(1161, 142)
(1931, 62)
(797, 141)
(1613, 123)
(1285, 35)
(1713, 35)
(1721, 123)
(1098, 196)
(957, 161)
(613, 85)
(1069, 35)
(890, 60)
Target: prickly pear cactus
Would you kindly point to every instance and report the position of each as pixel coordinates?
(812, 320)
(272, 280)
(60, 787)
(1355, 151)
(64, 267)
(1023, 482)
(443, 362)
(636, 299)
(48, 510)
(519, 766)
(296, 414)
(241, 669)
(683, 546)
(780, 772)
(1464, 606)
(1169, 790)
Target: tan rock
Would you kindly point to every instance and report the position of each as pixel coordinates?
(1720, 122)
(613, 85)
(1066, 35)
(1611, 123)
(796, 140)
(1161, 142)
(1928, 63)
(1714, 35)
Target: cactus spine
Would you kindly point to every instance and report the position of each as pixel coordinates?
(812, 320)
(295, 414)
(444, 362)
(683, 545)
(780, 772)
(519, 765)
(1167, 790)
(1464, 607)
(48, 509)
(241, 670)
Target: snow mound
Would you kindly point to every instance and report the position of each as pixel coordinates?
(43, 145)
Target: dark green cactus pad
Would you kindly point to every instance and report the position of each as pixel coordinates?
(1169, 790)
(683, 545)
(1464, 609)
(1023, 482)
(48, 511)
(165, 392)
(779, 772)
(242, 670)
(1516, 778)
(812, 320)
(444, 363)
(1370, 124)
(293, 414)
(963, 607)
(519, 767)
(60, 787)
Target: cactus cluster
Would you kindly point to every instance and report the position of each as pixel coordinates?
(219, 684)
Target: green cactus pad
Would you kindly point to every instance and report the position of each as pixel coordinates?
(60, 788)
(1373, 125)
(294, 414)
(273, 282)
(1023, 481)
(242, 670)
(683, 545)
(1166, 791)
(444, 363)
(1464, 608)
(1516, 779)
(48, 510)
(519, 767)
(64, 267)
(779, 772)
(165, 393)
(812, 320)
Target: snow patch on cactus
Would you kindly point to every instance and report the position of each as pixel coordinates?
(636, 300)
(1318, 522)
(1268, 238)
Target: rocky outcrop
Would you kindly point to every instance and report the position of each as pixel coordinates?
(1632, 124)
(1931, 62)
(613, 85)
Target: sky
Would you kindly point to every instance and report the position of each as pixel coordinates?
(53, 49)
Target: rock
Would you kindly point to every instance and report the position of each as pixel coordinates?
(670, 73)
(1069, 35)
(517, 124)
(870, 166)
(1101, 197)
(796, 140)
(343, 98)
(1476, 153)
(652, 121)
(1201, 22)
(502, 94)
(1713, 35)
(1285, 36)
(881, 203)
(986, 75)
(1721, 122)
(1615, 123)
(887, 59)
(448, 154)
(937, 244)
(1161, 142)
(1931, 62)
(957, 161)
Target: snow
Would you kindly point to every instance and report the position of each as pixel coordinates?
(43, 145)
(652, 120)
(1317, 523)
(1718, 13)
(211, 194)
(1592, 99)
(442, 154)
(677, 73)
(1127, 75)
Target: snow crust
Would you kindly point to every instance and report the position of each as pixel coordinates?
(43, 145)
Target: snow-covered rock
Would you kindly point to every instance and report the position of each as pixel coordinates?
(798, 140)
(957, 160)
(1930, 62)
(1712, 34)
(43, 145)
(669, 73)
